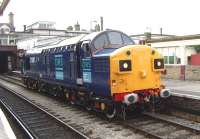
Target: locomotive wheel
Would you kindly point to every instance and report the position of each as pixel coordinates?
(72, 100)
(39, 87)
(111, 112)
(88, 107)
(67, 97)
(28, 84)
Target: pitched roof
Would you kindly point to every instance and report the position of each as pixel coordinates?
(12, 28)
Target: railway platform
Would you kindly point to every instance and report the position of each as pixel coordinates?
(186, 87)
(5, 129)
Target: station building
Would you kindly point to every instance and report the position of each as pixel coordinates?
(8, 47)
(13, 44)
(179, 50)
(181, 54)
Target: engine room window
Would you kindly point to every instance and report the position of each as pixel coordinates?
(115, 38)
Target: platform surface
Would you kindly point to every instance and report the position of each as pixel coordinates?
(5, 129)
(184, 87)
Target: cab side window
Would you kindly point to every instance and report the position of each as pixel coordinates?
(86, 49)
(115, 38)
(101, 42)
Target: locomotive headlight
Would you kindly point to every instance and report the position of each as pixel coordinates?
(159, 63)
(125, 65)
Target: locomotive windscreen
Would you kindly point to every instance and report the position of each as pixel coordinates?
(111, 39)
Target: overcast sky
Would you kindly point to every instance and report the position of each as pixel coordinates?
(178, 17)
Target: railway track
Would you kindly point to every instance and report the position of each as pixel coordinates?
(11, 79)
(157, 126)
(88, 123)
(35, 122)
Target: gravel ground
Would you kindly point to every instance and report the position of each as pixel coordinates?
(85, 122)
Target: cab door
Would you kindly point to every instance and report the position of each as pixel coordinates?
(83, 53)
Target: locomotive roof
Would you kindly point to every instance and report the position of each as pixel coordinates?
(64, 42)
(70, 41)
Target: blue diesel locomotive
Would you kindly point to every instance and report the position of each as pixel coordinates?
(103, 71)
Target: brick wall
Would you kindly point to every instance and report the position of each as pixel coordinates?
(174, 72)
(195, 59)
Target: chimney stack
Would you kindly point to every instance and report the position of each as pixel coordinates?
(11, 19)
(77, 26)
(161, 30)
(24, 28)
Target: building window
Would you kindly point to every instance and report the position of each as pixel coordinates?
(171, 55)
(166, 59)
(178, 55)
(12, 42)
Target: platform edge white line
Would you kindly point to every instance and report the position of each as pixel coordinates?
(6, 125)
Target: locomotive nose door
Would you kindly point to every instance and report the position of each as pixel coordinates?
(83, 53)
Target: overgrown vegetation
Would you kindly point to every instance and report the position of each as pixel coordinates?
(197, 48)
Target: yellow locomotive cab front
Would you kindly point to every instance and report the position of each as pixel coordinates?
(135, 68)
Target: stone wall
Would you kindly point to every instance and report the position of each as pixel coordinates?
(173, 72)
(191, 73)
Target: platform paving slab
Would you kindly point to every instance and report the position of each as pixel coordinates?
(5, 130)
(184, 87)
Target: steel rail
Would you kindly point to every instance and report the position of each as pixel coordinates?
(154, 135)
(20, 123)
(173, 122)
(140, 130)
(44, 111)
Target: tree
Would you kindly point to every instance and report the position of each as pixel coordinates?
(197, 48)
